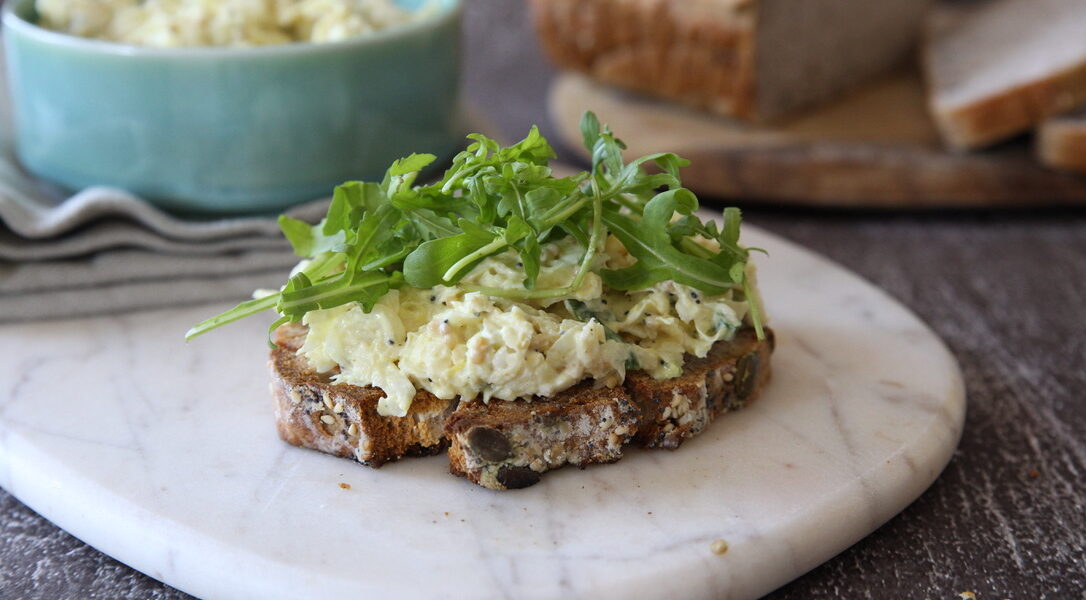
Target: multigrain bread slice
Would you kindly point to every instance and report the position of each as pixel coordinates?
(997, 68)
(342, 420)
(1061, 142)
(508, 445)
(751, 59)
(729, 377)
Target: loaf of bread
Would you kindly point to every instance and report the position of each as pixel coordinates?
(752, 59)
(997, 68)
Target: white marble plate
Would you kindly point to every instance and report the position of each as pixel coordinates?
(164, 455)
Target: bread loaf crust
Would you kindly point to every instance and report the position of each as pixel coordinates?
(657, 47)
(757, 60)
(1014, 111)
(1022, 98)
(1061, 143)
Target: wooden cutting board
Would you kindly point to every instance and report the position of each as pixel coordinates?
(874, 148)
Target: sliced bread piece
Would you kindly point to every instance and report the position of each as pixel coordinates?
(312, 412)
(752, 59)
(997, 68)
(729, 377)
(505, 445)
(1061, 142)
(508, 445)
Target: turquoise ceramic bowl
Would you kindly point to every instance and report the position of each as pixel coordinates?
(228, 130)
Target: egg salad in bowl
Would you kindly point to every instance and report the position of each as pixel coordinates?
(176, 23)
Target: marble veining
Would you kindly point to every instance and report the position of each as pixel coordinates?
(165, 456)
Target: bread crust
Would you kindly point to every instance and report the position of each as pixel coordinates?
(1014, 111)
(1061, 143)
(656, 47)
(509, 445)
(342, 420)
(731, 376)
(998, 116)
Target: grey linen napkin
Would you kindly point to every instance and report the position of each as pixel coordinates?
(105, 251)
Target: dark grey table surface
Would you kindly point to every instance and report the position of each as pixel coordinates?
(1007, 291)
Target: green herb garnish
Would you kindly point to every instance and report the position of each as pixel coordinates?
(379, 236)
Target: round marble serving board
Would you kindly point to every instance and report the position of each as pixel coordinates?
(164, 455)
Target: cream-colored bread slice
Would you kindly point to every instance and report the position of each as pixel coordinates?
(997, 68)
(751, 59)
(1061, 142)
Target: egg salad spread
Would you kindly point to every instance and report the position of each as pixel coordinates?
(175, 23)
(455, 343)
(502, 281)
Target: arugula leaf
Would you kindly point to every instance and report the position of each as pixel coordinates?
(410, 164)
(309, 240)
(492, 199)
(366, 289)
(245, 309)
(590, 129)
(428, 265)
(657, 259)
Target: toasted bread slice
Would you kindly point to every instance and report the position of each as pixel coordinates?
(729, 377)
(507, 445)
(338, 419)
